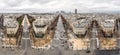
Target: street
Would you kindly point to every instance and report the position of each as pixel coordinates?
(60, 38)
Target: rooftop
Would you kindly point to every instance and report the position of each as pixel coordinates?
(108, 23)
(11, 23)
(81, 23)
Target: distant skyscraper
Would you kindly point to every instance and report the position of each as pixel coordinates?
(75, 11)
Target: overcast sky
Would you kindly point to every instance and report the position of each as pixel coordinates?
(67, 5)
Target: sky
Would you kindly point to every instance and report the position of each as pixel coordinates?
(66, 5)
